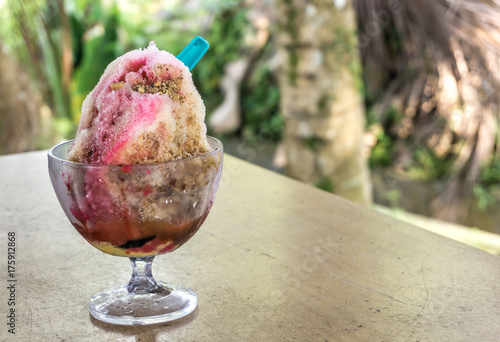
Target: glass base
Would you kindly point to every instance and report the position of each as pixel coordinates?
(118, 306)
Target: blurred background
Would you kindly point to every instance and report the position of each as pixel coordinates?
(389, 103)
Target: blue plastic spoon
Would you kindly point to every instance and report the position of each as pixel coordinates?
(193, 52)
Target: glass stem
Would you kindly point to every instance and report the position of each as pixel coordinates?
(142, 280)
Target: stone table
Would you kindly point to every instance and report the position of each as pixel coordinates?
(276, 260)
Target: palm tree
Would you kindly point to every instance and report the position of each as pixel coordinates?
(44, 28)
(320, 97)
(436, 62)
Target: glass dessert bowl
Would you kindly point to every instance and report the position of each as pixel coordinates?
(138, 211)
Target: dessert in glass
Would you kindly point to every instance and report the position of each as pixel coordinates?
(140, 178)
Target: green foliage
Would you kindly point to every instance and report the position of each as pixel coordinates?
(99, 46)
(325, 184)
(484, 196)
(312, 142)
(99, 49)
(426, 166)
(260, 107)
(381, 154)
(262, 121)
(393, 196)
(65, 126)
(323, 102)
(489, 185)
(382, 151)
(490, 176)
(17, 16)
(226, 35)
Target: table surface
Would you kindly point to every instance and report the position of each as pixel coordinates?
(276, 260)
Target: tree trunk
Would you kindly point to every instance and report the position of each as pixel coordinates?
(20, 103)
(320, 97)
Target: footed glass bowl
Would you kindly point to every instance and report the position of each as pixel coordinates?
(138, 211)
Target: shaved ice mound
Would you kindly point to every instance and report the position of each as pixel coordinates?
(145, 109)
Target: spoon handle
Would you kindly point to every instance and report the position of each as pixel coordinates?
(193, 52)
